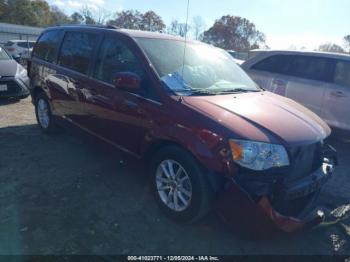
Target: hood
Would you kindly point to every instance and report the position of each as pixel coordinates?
(262, 116)
(8, 67)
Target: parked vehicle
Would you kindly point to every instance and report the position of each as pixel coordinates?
(17, 47)
(26, 54)
(234, 56)
(240, 55)
(254, 52)
(319, 81)
(14, 81)
(208, 134)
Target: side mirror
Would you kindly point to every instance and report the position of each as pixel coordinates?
(127, 81)
(17, 58)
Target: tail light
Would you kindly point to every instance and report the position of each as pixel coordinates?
(10, 49)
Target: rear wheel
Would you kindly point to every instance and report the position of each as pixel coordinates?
(43, 114)
(180, 185)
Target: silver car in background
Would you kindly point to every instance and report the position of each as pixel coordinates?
(17, 47)
(319, 81)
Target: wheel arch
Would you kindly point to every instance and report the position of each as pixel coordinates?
(36, 91)
(215, 179)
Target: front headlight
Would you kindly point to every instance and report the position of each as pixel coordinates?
(258, 155)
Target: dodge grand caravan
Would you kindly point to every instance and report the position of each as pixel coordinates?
(211, 139)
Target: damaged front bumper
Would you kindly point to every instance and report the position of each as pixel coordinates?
(279, 207)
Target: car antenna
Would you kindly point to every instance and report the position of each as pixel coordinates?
(184, 55)
(186, 27)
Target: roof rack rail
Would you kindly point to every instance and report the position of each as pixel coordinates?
(90, 25)
(112, 27)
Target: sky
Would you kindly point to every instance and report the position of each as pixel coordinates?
(287, 24)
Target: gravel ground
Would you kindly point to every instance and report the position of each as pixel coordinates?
(66, 194)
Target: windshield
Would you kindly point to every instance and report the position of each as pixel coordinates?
(4, 55)
(198, 68)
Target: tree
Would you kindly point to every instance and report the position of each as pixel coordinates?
(177, 28)
(133, 19)
(347, 42)
(129, 19)
(234, 32)
(88, 16)
(330, 47)
(19, 12)
(150, 21)
(198, 26)
(32, 13)
(3, 5)
(58, 17)
(42, 12)
(101, 15)
(77, 18)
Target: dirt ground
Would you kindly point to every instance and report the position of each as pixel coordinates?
(66, 194)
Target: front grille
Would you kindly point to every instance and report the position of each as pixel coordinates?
(304, 161)
(12, 87)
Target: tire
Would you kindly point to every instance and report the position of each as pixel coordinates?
(201, 197)
(49, 126)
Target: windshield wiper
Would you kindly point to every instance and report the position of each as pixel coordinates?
(202, 92)
(237, 90)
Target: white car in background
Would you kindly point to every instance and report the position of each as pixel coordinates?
(236, 56)
(17, 47)
(319, 81)
(26, 54)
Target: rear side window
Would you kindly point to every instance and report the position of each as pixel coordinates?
(274, 64)
(313, 68)
(342, 73)
(47, 46)
(77, 50)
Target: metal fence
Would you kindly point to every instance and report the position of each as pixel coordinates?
(18, 32)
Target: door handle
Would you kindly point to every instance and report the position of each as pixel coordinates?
(338, 94)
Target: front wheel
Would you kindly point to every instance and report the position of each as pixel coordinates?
(180, 185)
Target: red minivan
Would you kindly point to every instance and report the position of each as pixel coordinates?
(210, 137)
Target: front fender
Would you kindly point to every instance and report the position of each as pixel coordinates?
(206, 146)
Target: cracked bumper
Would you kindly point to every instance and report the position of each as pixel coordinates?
(260, 217)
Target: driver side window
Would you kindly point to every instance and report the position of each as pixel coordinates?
(114, 56)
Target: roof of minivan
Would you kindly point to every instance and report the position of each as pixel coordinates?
(313, 53)
(128, 32)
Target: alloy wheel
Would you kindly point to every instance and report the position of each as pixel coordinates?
(173, 185)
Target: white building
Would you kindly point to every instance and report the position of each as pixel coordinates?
(18, 32)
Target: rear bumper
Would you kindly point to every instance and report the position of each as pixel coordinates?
(266, 215)
(15, 88)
